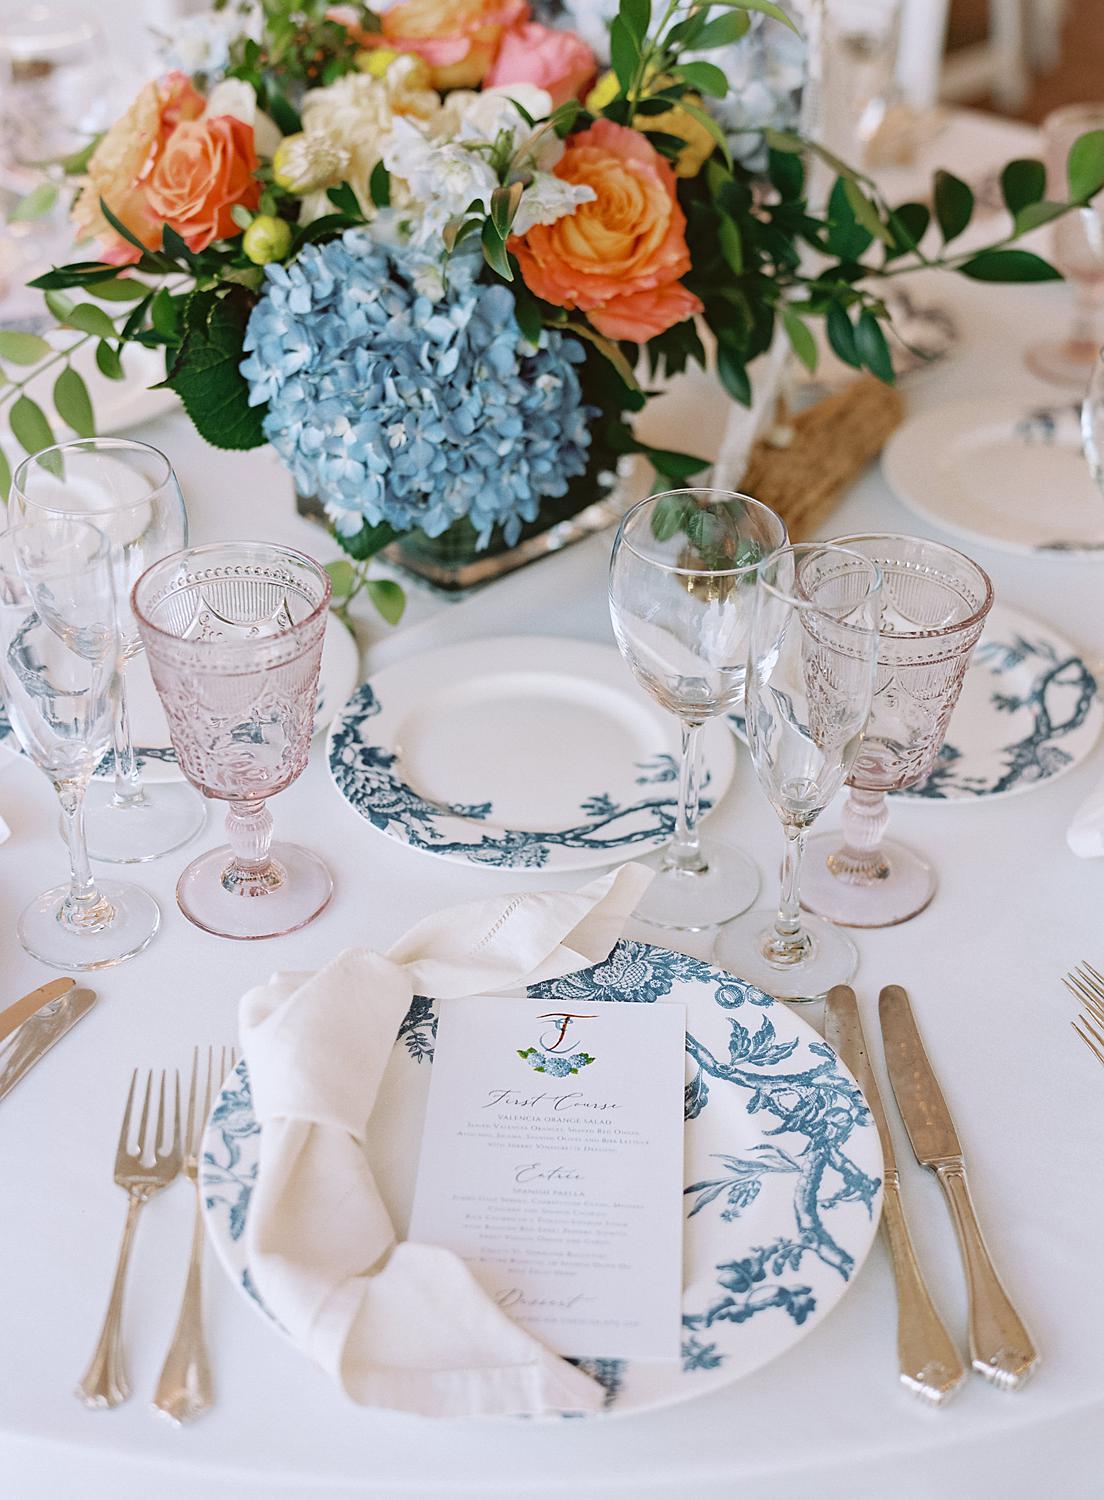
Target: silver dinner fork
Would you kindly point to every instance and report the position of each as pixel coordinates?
(1087, 984)
(185, 1390)
(104, 1383)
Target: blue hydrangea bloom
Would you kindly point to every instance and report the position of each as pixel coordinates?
(393, 397)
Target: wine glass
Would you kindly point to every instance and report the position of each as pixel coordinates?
(860, 57)
(934, 604)
(681, 589)
(1078, 252)
(1092, 422)
(234, 635)
(57, 663)
(129, 491)
(810, 683)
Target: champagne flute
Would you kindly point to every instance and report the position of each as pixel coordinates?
(129, 491)
(57, 664)
(810, 683)
(681, 590)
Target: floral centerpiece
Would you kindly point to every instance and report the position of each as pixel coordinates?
(433, 255)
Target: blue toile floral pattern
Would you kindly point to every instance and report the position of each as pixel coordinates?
(367, 777)
(782, 1190)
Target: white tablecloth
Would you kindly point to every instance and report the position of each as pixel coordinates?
(1014, 910)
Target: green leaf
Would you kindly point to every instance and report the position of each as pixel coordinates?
(787, 173)
(637, 17)
(79, 273)
(29, 426)
(241, 216)
(722, 31)
(1034, 214)
(5, 478)
(22, 348)
(494, 251)
(731, 245)
(800, 337)
(562, 119)
(124, 290)
(908, 225)
(37, 203)
(342, 577)
(205, 373)
(367, 541)
(388, 598)
(379, 186)
(846, 238)
(865, 212)
(73, 403)
(504, 205)
(1022, 182)
(175, 246)
(75, 164)
(527, 313)
(675, 466)
(765, 8)
(109, 362)
(120, 228)
(91, 320)
(1085, 165)
(954, 204)
(706, 77)
(165, 315)
(624, 54)
(703, 118)
(841, 335)
(669, 516)
(345, 200)
(734, 375)
(870, 342)
(60, 305)
(1009, 265)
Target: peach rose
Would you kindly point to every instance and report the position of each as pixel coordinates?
(457, 38)
(557, 61)
(122, 164)
(619, 257)
(205, 169)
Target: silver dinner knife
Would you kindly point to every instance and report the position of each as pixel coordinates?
(1001, 1349)
(930, 1364)
(34, 1038)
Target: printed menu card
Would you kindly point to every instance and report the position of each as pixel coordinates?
(551, 1162)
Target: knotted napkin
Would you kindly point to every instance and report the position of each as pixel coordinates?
(399, 1325)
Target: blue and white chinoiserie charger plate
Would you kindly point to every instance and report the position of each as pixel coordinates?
(152, 745)
(782, 1168)
(1029, 711)
(527, 752)
(1002, 473)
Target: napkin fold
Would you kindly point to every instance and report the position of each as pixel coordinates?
(399, 1325)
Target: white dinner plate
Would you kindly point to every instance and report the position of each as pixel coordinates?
(782, 1169)
(149, 727)
(1007, 475)
(524, 752)
(1028, 712)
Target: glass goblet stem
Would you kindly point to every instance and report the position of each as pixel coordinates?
(252, 871)
(788, 943)
(684, 851)
(128, 782)
(84, 908)
(861, 859)
(1085, 326)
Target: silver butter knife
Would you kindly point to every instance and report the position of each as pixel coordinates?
(34, 1038)
(1001, 1349)
(930, 1365)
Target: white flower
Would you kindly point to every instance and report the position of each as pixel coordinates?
(548, 198)
(442, 179)
(235, 97)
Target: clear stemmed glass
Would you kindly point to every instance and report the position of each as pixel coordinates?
(934, 604)
(1078, 252)
(811, 666)
(129, 491)
(681, 589)
(234, 635)
(1092, 422)
(57, 662)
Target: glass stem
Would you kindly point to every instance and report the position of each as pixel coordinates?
(128, 784)
(684, 851)
(861, 861)
(788, 942)
(84, 908)
(252, 871)
(1086, 303)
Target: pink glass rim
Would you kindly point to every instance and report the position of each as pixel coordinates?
(936, 631)
(192, 555)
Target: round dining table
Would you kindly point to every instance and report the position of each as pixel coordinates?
(1014, 911)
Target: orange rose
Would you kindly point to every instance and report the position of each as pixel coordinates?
(619, 257)
(121, 165)
(457, 38)
(205, 169)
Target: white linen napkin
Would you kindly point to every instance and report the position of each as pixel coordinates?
(399, 1325)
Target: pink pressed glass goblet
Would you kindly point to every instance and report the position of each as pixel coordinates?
(233, 632)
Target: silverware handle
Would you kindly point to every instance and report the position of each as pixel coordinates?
(104, 1384)
(930, 1364)
(185, 1389)
(1001, 1349)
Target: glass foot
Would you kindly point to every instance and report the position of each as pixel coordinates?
(830, 957)
(301, 888)
(168, 815)
(1069, 363)
(128, 923)
(689, 902)
(907, 888)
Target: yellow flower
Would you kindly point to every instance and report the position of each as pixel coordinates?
(604, 92)
(675, 121)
